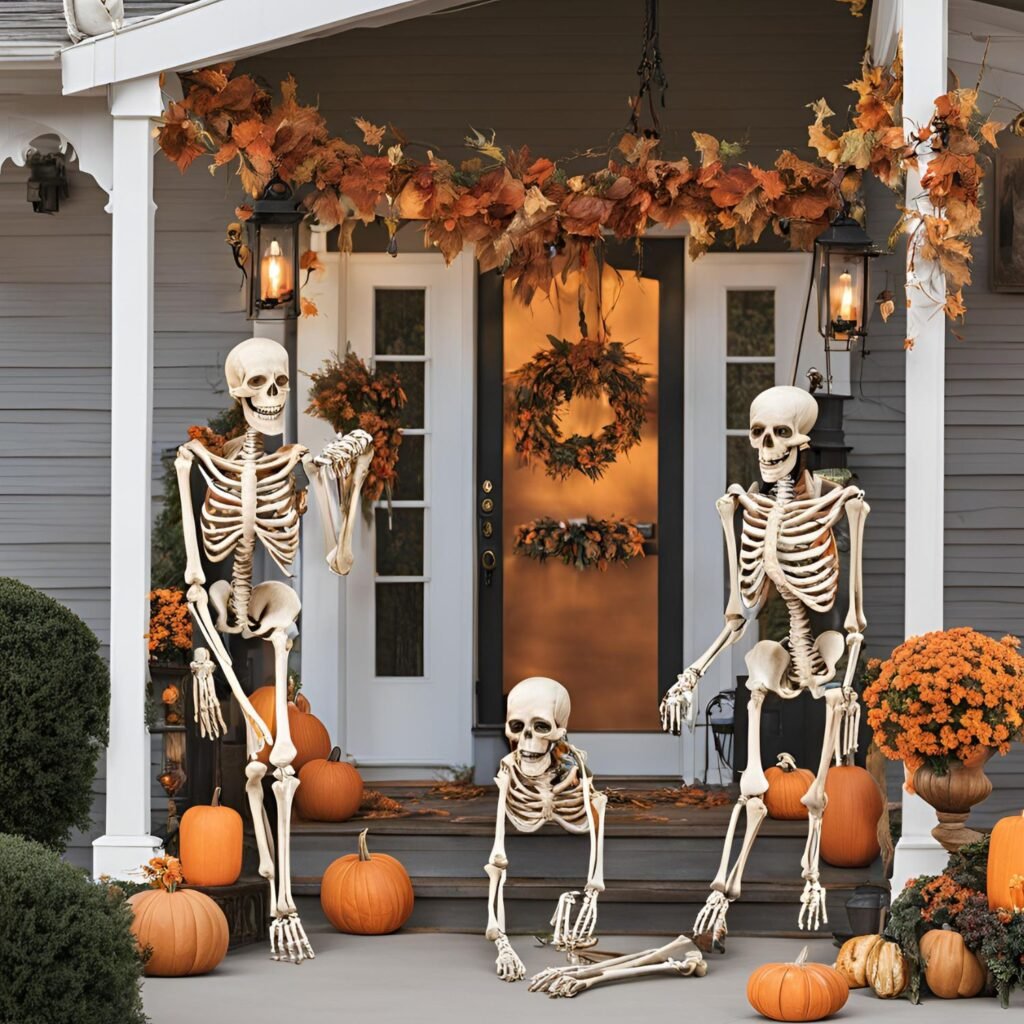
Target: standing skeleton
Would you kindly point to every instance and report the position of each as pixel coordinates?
(786, 540)
(252, 497)
(544, 779)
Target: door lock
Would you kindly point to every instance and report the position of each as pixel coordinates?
(488, 560)
(487, 506)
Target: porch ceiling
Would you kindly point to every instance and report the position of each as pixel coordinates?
(208, 31)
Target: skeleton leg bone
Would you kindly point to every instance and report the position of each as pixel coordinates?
(767, 663)
(812, 903)
(677, 957)
(580, 935)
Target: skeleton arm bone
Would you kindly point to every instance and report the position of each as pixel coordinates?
(183, 470)
(679, 704)
(857, 510)
(508, 965)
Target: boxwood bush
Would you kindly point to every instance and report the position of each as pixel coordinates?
(67, 954)
(54, 705)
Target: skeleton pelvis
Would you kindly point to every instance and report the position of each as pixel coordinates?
(272, 605)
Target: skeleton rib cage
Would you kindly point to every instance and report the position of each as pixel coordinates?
(533, 801)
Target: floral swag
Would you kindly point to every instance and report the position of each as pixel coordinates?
(582, 543)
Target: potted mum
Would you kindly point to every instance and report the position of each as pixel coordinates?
(944, 703)
(170, 643)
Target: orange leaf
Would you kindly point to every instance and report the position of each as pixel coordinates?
(989, 130)
(373, 134)
(309, 307)
(310, 260)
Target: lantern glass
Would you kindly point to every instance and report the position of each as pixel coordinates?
(274, 241)
(844, 254)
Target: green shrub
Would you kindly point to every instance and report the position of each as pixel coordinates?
(54, 706)
(66, 949)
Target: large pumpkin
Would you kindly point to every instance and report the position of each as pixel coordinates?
(798, 991)
(366, 894)
(210, 841)
(951, 969)
(308, 733)
(849, 828)
(887, 971)
(786, 785)
(852, 962)
(1005, 861)
(330, 790)
(187, 931)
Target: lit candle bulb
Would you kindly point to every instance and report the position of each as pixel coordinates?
(275, 272)
(845, 297)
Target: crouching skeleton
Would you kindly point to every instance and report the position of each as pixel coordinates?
(253, 497)
(544, 779)
(787, 541)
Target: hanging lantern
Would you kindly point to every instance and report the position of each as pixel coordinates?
(274, 244)
(842, 254)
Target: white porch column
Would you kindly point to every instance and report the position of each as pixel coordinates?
(924, 78)
(127, 842)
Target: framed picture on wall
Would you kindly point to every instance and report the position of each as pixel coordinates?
(1008, 237)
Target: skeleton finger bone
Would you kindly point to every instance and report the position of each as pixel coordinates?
(509, 966)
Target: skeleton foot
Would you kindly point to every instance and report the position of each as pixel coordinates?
(569, 936)
(509, 966)
(288, 940)
(709, 930)
(813, 913)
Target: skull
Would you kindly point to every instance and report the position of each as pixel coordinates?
(780, 423)
(257, 375)
(537, 718)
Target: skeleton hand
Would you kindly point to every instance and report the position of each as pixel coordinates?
(710, 924)
(344, 450)
(678, 705)
(813, 913)
(207, 710)
(569, 936)
(509, 966)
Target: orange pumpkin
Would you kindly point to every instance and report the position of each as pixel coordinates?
(186, 930)
(951, 969)
(366, 895)
(786, 785)
(798, 991)
(1006, 863)
(210, 841)
(330, 790)
(309, 734)
(849, 828)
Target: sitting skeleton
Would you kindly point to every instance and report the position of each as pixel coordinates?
(787, 541)
(545, 779)
(253, 497)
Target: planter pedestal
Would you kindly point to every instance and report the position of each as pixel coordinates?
(953, 795)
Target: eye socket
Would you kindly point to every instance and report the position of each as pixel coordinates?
(515, 725)
(257, 382)
(282, 380)
(756, 431)
(541, 726)
(783, 432)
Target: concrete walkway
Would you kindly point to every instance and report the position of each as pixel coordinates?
(423, 977)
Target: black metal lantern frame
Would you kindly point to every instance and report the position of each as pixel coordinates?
(843, 253)
(274, 250)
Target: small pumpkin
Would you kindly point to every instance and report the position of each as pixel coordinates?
(210, 840)
(951, 969)
(797, 991)
(849, 826)
(308, 733)
(1006, 863)
(786, 785)
(366, 894)
(852, 962)
(887, 970)
(330, 790)
(186, 930)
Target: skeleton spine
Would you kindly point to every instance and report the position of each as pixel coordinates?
(241, 570)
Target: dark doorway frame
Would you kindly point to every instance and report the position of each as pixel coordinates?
(662, 260)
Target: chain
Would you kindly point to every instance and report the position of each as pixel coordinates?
(651, 74)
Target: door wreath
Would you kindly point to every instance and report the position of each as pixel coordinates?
(541, 388)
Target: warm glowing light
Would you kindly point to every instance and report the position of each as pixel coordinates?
(846, 310)
(275, 274)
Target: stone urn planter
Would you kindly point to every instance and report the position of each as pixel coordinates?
(953, 795)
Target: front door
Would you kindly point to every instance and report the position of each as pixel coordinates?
(611, 637)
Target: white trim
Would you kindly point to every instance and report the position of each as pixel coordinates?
(924, 77)
(209, 31)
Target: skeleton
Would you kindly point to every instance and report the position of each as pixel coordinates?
(252, 498)
(544, 779)
(208, 715)
(786, 540)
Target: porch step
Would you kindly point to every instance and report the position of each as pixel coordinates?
(625, 908)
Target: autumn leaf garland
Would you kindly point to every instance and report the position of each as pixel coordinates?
(582, 543)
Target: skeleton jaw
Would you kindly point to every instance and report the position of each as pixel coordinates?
(774, 467)
(267, 419)
(533, 762)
